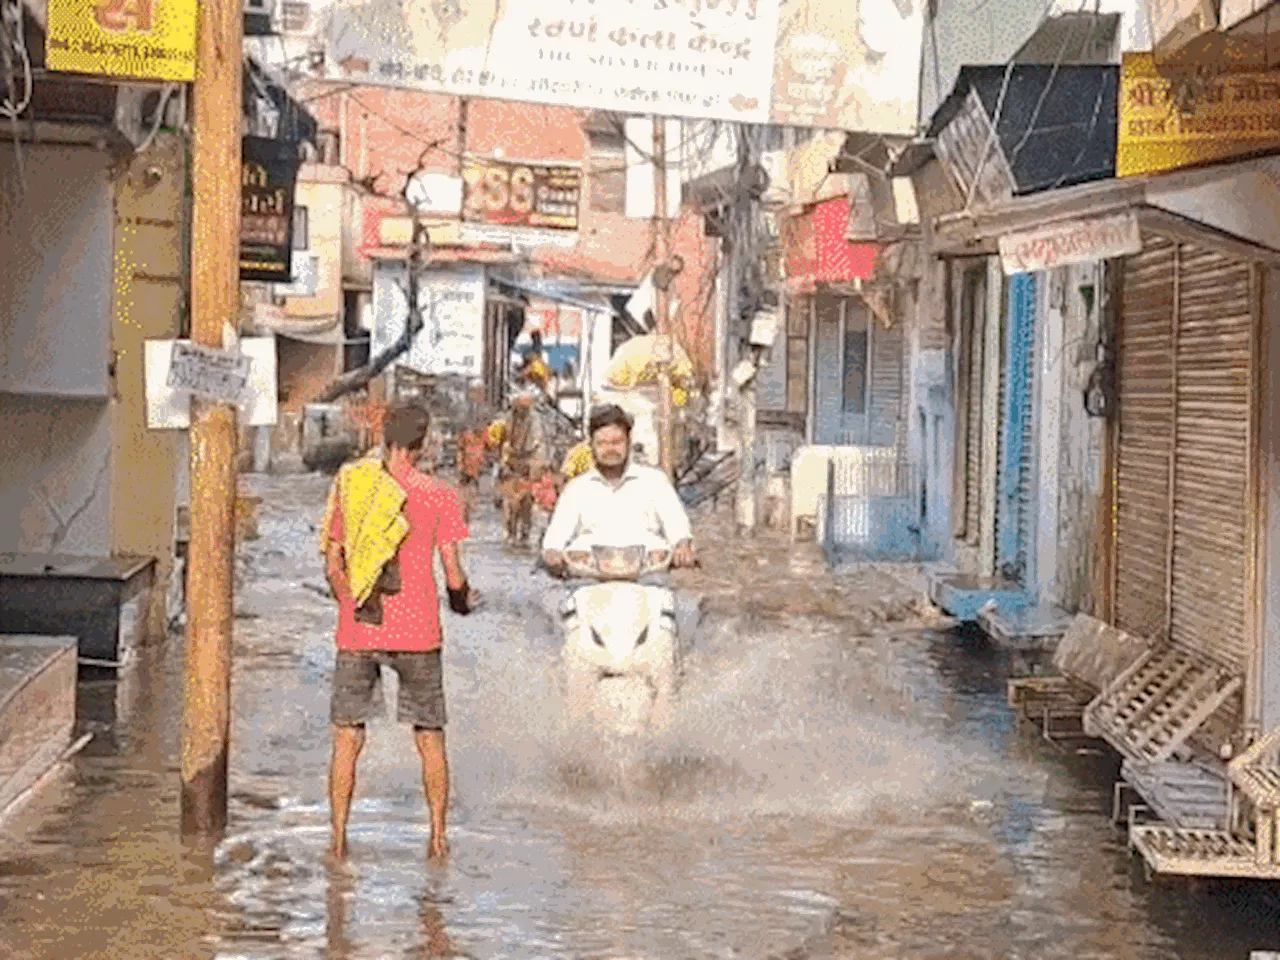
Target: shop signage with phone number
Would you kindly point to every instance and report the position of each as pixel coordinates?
(505, 193)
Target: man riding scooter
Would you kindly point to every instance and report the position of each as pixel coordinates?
(615, 527)
(617, 502)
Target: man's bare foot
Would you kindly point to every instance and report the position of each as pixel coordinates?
(439, 848)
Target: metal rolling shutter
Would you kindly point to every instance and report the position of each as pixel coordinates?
(1145, 441)
(886, 384)
(973, 434)
(1015, 515)
(1211, 541)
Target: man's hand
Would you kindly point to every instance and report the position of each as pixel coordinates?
(336, 572)
(555, 562)
(684, 555)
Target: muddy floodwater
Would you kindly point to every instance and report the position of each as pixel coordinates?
(825, 791)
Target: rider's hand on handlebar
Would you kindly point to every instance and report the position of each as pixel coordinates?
(555, 562)
(684, 555)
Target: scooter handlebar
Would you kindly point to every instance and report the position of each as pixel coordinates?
(595, 565)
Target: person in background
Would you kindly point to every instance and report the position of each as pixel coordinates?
(522, 460)
(535, 371)
(473, 445)
(384, 522)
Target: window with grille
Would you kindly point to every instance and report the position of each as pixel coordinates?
(855, 362)
(327, 141)
(608, 159)
(295, 17)
(300, 240)
(797, 346)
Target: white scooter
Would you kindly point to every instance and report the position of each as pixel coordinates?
(620, 641)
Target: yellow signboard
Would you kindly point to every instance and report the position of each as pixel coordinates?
(123, 39)
(1167, 123)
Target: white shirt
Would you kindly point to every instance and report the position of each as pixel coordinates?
(642, 509)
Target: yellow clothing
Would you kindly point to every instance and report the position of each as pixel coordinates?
(373, 524)
(636, 364)
(497, 433)
(578, 460)
(538, 372)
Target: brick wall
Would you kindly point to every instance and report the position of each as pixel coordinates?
(386, 130)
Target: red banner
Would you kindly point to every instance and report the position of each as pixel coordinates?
(817, 251)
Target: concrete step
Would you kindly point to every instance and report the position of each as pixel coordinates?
(37, 708)
(1017, 627)
(963, 595)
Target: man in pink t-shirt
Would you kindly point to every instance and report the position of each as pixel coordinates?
(408, 636)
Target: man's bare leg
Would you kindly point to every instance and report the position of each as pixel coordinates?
(435, 780)
(347, 744)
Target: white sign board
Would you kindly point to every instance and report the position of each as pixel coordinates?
(208, 373)
(839, 64)
(451, 341)
(170, 409)
(306, 276)
(764, 328)
(1078, 241)
(437, 193)
(632, 56)
(517, 238)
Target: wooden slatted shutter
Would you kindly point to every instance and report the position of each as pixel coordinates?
(1145, 442)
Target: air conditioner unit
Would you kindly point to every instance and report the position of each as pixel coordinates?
(295, 18)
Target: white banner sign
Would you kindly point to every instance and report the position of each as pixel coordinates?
(170, 409)
(207, 373)
(1079, 241)
(451, 341)
(844, 64)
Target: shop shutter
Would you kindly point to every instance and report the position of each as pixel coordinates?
(1145, 441)
(1015, 509)
(1212, 437)
(886, 384)
(973, 435)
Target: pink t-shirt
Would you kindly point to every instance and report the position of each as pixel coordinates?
(411, 617)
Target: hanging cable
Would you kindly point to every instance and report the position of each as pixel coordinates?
(168, 92)
(13, 106)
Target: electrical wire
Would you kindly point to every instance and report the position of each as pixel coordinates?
(993, 137)
(1044, 94)
(169, 91)
(13, 106)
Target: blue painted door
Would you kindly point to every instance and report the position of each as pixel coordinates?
(1015, 503)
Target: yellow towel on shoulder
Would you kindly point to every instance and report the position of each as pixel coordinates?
(373, 522)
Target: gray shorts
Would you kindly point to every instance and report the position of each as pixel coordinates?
(356, 688)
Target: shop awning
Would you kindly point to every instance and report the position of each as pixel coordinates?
(449, 255)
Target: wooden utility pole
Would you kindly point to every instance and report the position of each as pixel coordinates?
(215, 287)
(661, 300)
(745, 253)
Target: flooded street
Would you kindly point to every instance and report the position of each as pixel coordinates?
(825, 791)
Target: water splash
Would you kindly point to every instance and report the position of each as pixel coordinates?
(765, 726)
